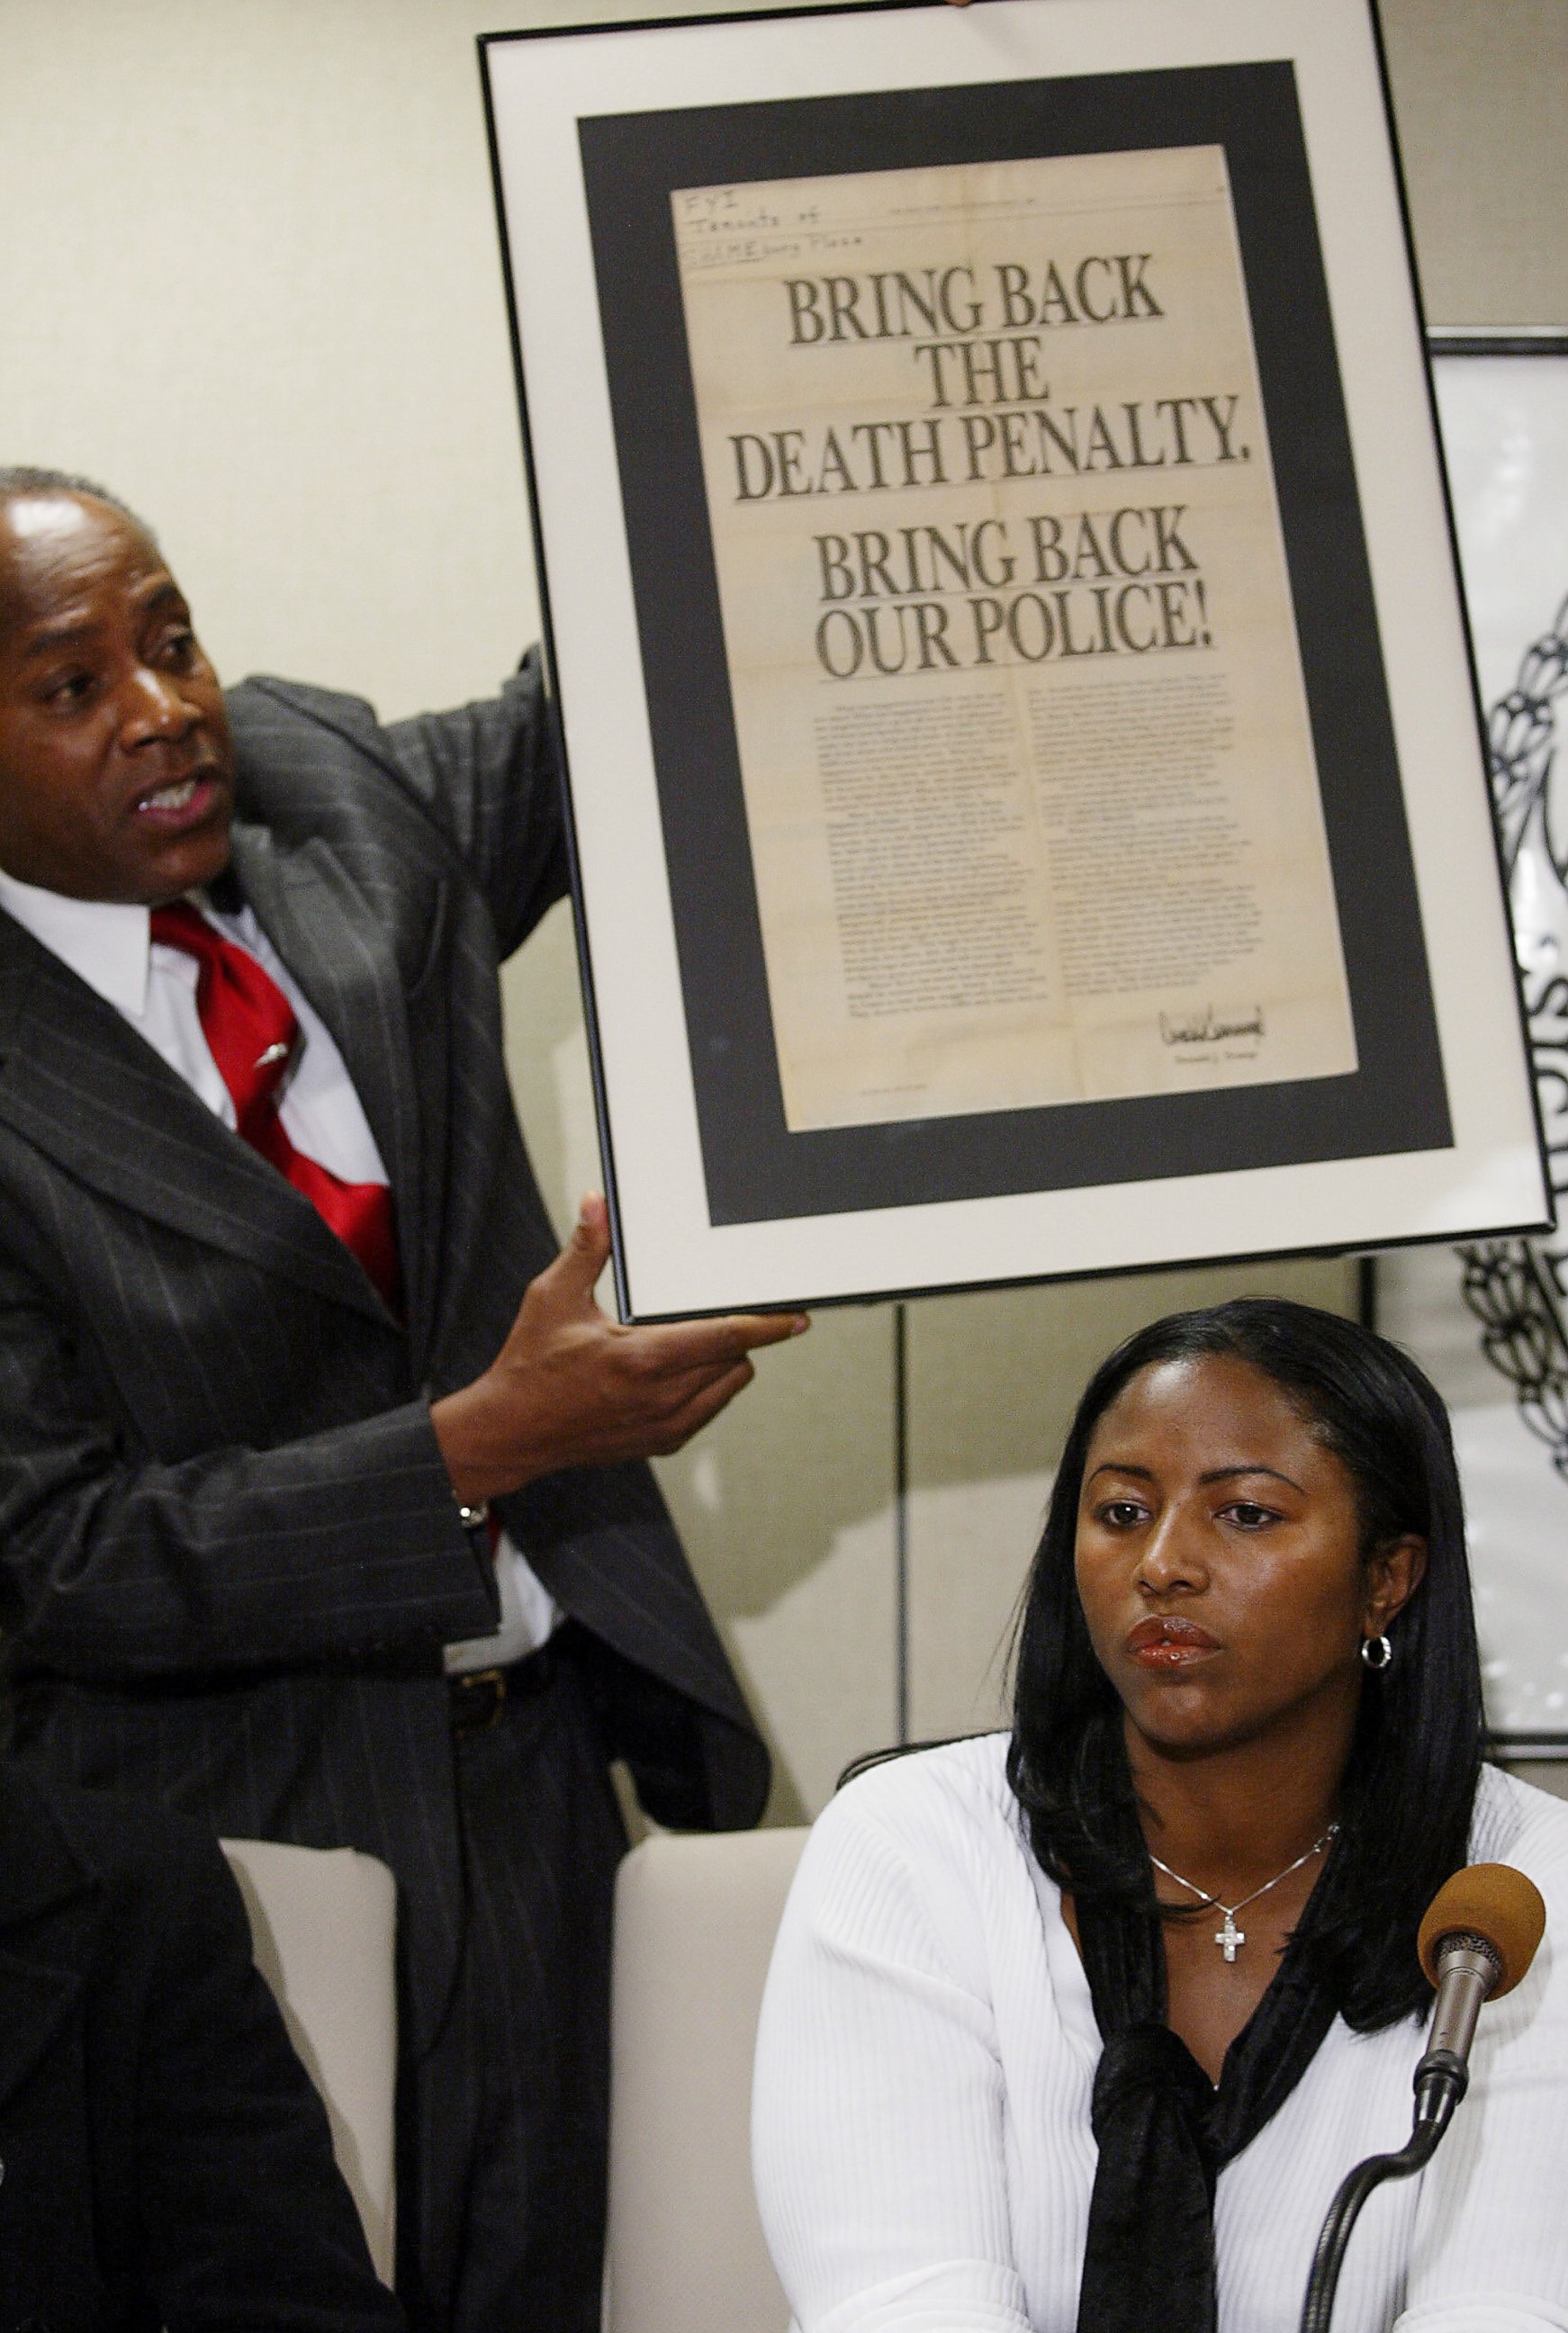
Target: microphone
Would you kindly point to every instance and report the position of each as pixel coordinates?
(1476, 1940)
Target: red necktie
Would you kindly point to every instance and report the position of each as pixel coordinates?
(251, 1031)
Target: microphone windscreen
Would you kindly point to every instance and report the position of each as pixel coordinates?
(1491, 1900)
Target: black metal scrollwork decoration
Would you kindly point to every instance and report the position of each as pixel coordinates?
(1517, 1288)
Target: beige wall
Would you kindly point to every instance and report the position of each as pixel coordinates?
(1481, 95)
(249, 275)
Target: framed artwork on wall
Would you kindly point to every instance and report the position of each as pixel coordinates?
(1027, 796)
(1488, 1322)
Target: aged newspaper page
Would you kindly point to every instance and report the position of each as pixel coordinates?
(1028, 774)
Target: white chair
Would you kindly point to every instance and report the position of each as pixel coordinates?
(324, 1921)
(694, 1920)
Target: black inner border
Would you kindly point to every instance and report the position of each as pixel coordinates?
(755, 1169)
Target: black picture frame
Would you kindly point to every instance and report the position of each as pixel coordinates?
(1489, 1322)
(715, 1202)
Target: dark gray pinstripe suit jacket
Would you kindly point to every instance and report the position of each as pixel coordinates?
(228, 1549)
(166, 2158)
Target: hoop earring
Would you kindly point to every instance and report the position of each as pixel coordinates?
(1379, 1661)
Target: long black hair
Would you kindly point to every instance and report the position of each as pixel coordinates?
(1409, 1786)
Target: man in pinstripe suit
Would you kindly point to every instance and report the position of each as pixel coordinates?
(243, 1563)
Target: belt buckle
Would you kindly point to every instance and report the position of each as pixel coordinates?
(473, 1714)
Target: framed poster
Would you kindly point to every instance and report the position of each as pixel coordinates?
(1488, 1324)
(1028, 799)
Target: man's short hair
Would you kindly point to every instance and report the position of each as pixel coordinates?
(21, 480)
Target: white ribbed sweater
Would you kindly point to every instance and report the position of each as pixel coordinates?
(927, 2052)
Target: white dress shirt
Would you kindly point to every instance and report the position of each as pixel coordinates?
(153, 987)
(925, 2058)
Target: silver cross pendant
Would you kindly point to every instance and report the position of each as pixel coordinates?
(1228, 1937)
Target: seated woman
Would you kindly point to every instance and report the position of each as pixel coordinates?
(1081, 2027)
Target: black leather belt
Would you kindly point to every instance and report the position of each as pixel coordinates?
(478, 1697)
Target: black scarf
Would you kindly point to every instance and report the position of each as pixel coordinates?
(1163, 2130)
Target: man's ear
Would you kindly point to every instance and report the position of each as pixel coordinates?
(1394, 1572)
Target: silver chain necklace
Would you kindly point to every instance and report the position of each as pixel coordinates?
(1230, 1938)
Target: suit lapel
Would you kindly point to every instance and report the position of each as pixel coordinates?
(79, 1084)
(319, 925)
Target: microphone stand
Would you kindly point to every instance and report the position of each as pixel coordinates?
(1441, 2081)
(1470, 1968)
